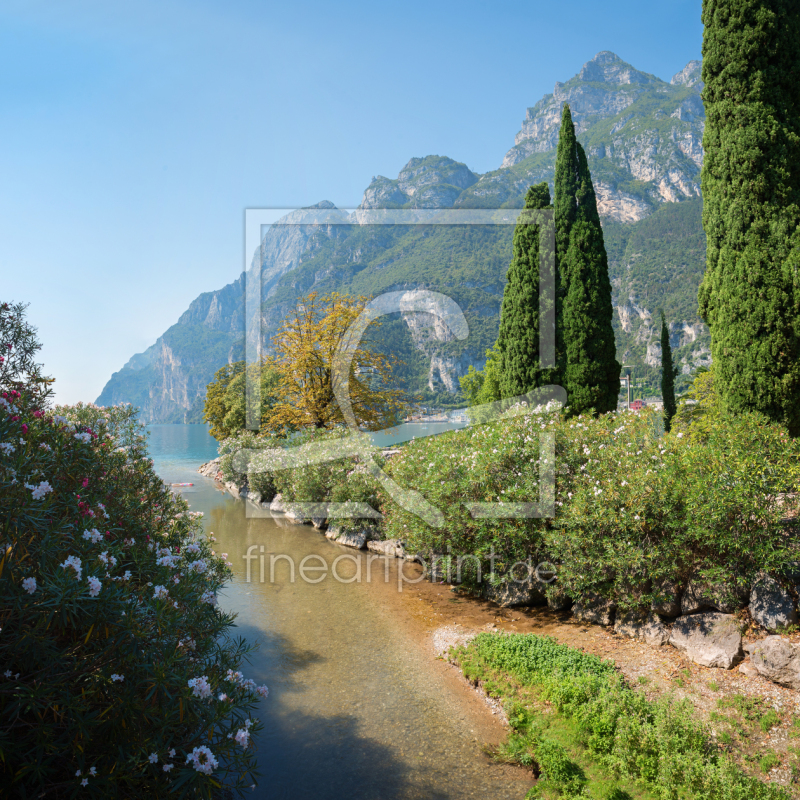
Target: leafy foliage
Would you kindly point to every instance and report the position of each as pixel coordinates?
(668, 373)
(225, 407)
(750, 295)
(657, 743)
(632, 507)
(589, 370)
(114, 648)
(308, 374)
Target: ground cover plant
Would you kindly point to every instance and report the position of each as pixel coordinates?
(120, 677)
(588, 733)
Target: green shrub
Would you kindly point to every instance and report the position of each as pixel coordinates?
(120, 675)
(632, 506)
(659, 743)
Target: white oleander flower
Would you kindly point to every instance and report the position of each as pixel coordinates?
(29, 585)
(202, 759)
(200, 687)
(38, 492)
(73, 562)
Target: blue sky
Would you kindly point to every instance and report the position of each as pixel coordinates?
(134, 135)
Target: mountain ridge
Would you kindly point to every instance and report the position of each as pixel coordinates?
(641, 135)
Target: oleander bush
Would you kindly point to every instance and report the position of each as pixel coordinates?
(312, 466)
(120, 677)
(657, 743)
(633, 506)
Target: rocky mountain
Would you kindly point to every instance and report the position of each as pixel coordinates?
(643, 138)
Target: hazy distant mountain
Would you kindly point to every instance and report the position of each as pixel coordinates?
(643, 138)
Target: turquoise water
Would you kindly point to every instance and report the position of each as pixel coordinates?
(356, 709)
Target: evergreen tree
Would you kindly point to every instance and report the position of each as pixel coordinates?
(586, 352)
(750, 295)
(518, 338)
(668, 374)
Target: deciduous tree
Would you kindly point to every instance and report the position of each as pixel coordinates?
(305, 348)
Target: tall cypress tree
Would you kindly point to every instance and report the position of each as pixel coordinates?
(750, 295)
(668, 373)
(588, 364)
(518, 338)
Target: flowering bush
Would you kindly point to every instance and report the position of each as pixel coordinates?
(109, 617)
(633, 507)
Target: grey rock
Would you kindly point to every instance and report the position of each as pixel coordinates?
(748, 669)
(357, 539)
(699, 596)
(670, 605)
(771, 606)
(319, 522)
(557, 599)
(711, 639)
(654, 631)
(629, 624)
(510, 594)
(293, 514)
(778, 661)
(389, 547)
(648, 628)
(277, 504)
(595, 609)
(232, 488)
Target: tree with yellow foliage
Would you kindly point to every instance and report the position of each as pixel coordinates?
(305, 349)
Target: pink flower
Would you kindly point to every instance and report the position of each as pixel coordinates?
(85, 482)
(24, 428)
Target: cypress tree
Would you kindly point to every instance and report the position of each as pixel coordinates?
(587, 363)
(750, 295)
(518, 338)
(668, 373)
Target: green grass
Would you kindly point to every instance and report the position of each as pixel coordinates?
(576, 721)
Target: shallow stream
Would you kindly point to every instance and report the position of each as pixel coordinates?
(357, 707)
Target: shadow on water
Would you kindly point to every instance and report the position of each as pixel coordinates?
(319, 756)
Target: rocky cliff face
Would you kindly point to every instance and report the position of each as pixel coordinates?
(430, 182)
(643, 139)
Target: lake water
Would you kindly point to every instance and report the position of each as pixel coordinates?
(356, 709)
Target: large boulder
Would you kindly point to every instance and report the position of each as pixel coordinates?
(294, 514)
(771, 606)
(629, 624)
(636, 625)
(654, 631)
(726, 598)
(357, 539)
(529, 591)
(277, 504)
(393, 548)
(778, 661)
(557, 598)
(669, 602)
(595, 609)
(711, 640)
